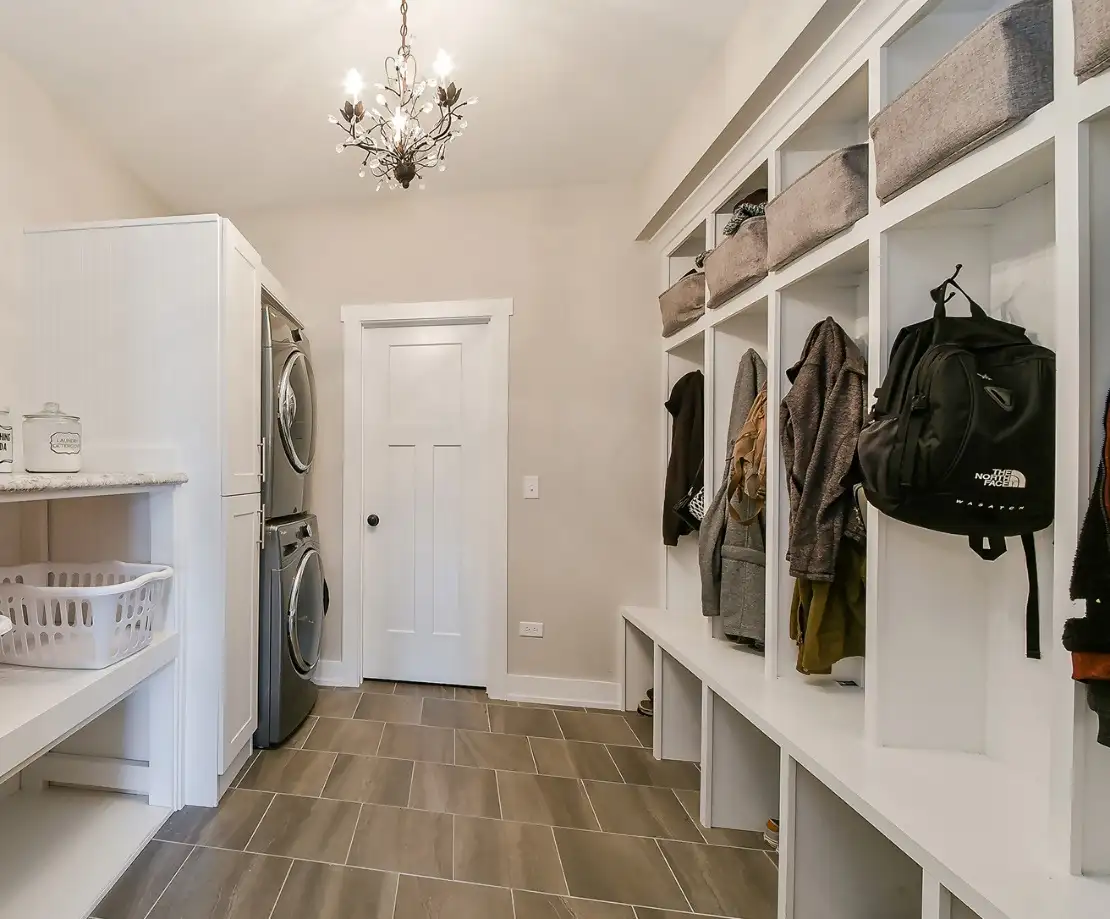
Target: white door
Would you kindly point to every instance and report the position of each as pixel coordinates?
(426, 497)
(241, 364)
(239, 692)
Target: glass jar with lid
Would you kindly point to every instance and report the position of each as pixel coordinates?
(52, 440)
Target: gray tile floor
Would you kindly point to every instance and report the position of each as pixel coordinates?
(429, 802)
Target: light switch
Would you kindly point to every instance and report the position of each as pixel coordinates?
(531, 486)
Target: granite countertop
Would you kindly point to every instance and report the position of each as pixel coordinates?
(18, 482)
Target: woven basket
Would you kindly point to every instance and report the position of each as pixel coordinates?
(682, 303)
(1092, 37)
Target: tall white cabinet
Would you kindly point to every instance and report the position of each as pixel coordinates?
(171, 380)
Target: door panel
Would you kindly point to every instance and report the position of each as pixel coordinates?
(426, 405)
(239, 692)
(241, 364)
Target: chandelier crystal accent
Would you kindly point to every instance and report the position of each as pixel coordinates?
(397, 145)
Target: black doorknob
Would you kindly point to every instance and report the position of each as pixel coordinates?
(373, 520)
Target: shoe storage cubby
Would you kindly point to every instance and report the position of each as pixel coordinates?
(963, 779)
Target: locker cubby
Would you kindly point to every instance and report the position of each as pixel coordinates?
(841, 121)
(682, 257)
(936, 29)
(838, 290)
(755, 180)
(947, 637)
(741, 768)
(683, 579)
(840, 866)
(676, 721)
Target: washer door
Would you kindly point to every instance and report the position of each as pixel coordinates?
(296, 411)
(305, 615)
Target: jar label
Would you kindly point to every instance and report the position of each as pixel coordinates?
(6, 452)
(65, 442)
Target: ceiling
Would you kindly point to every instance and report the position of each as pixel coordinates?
(221, 105)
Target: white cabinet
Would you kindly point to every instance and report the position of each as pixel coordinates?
(240, 363)
(239, 693)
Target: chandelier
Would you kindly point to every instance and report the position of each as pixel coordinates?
(397, 146)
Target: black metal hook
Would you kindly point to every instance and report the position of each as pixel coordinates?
(938, 293)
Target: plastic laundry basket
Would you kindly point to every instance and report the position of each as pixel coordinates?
(82, 617)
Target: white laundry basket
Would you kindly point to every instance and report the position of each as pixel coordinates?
(81, 617)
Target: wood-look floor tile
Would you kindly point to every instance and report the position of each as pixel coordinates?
(345, 735)
(246, 768)
(336, 704)
(597, 728)
(725, 881)
(642, 912)
(639, 767)
(533, 722)
(217, 884)
(427, 898)
(545, 799)
(574, 759)
(471, 694)
(295, 741)
(374, 706)
(401, 839)
(544, 906)
(445, 713)
(425, 690)
(507, 854)
(143, 882)
(641, 810)
(641, 726)
(369, 780)
(334, 892)
(386, 687)
(493, 751)
(620, 869)
(718, 836)
(294, 772)
(413, 741)
(311, 828)
(454, 790)
(552, 708)
(229, 826)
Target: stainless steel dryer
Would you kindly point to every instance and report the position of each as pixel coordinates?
(294, 603)
(288, 412)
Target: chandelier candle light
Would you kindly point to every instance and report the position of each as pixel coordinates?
(397, 146)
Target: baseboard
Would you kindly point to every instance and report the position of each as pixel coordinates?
(335, 673)
(518, 687)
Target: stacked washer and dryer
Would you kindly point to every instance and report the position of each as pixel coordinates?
(294, 594)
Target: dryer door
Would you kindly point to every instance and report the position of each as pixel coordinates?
(296, 411)
(305, 616)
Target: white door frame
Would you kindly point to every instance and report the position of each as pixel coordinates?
(495, 314)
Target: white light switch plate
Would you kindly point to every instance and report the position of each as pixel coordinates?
(531, 486)
(531, 629)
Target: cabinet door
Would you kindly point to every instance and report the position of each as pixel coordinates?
(241, 364)
(239, 693)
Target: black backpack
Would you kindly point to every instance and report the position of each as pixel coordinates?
(962, 438)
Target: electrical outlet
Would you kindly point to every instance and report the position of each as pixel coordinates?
(531, 487)
(531, 629)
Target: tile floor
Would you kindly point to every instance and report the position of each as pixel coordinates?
(400, 801)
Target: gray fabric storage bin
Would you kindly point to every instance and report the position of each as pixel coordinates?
(737, 263)
(827, 199)
(682, 303)
(997, 76)
(1092, 37)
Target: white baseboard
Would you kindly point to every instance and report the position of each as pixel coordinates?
(519, 687)
(335, 673)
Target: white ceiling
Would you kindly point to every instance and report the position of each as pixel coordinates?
(222, 104)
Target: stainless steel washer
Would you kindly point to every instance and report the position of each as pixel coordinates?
(294, 603)
(288, 412)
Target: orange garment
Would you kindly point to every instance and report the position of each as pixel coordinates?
(749, 461)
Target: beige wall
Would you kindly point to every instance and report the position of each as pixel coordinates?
(583, 400)
(50, 172)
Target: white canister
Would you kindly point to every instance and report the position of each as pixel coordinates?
(7, 441)
(51, 441)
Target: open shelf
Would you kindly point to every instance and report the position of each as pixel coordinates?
(841, 121)
(39, 708)
(757, 179)
(65, 849)
(35, 486)
(686, 343)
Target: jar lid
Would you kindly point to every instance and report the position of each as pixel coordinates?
(51, 410)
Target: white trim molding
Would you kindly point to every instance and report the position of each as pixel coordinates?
(519, 687)
(495, 313)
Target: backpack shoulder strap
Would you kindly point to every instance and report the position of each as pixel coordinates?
(993, 547)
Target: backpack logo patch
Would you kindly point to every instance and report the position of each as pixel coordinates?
(1001, 478)
(1003, 397)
